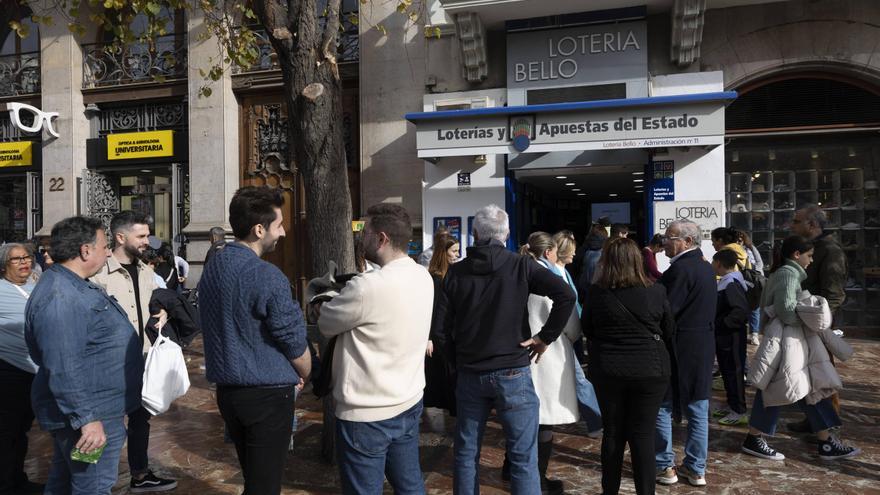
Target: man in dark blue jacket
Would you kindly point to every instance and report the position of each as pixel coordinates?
(481, 320)
(90, 361)
(690, 286)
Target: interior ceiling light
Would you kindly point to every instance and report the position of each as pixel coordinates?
(582, 194)
(814, 154)
(613, 195)
(561, 177)
(569, 183)
(638, 180)
(575, 190)
(638, 173)
(851, 151)
(771, 155)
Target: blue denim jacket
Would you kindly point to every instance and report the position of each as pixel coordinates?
(91, 365)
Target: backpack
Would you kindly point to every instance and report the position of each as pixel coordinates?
(755, 282)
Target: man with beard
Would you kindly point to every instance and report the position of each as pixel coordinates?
(381, 320)
(255, 339)
(128, 279)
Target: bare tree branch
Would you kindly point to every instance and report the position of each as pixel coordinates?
(331, 35)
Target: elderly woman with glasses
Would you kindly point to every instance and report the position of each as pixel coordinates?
(17, 370)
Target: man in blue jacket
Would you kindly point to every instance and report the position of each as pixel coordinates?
(691, 289)
(90, 360)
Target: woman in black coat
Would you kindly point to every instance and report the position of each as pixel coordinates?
(439, 372)
(628, 325)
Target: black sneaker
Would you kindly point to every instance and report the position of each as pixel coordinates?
(551, 487)
(28, 486)
(833, 449)
(756, 445)
(151, 483)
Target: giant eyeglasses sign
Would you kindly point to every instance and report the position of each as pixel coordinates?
(130, 145)
(16, 154)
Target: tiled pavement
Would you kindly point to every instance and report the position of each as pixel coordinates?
(187, 444)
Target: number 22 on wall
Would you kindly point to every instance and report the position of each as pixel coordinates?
(56, 184)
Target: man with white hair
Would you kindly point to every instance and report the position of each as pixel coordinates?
(691, 289)
(481, 322)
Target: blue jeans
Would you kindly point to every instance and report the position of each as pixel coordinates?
(69, 477)
(587, 402)
(512, 394)
(821, 416)
(696, 447)
(370, 451)
(755, 321)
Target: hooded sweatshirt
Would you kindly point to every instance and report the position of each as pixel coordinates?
(481, 314)
(732, 312)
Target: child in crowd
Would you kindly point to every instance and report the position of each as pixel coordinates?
(731, 317)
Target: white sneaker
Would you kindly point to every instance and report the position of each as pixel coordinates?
(693, 478)
(667, 476)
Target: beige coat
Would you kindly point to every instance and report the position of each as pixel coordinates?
(792, 362)
(553, 375)
(117, 282)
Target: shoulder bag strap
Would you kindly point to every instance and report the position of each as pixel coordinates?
(632, 317)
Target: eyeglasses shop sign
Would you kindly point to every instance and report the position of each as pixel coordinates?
(581, 55)
(707, 214)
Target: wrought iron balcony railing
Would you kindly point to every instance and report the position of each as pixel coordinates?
(20, 74)
(113, 65)
(267, 59)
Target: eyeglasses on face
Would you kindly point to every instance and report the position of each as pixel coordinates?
(20, 260)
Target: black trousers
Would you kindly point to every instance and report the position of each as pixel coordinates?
(259, 421)
(16, 417)
(629, 414)
(730, 347)
(138, 441)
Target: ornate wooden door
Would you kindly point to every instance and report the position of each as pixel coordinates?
(266, 161)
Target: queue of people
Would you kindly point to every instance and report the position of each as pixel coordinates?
(493, 330)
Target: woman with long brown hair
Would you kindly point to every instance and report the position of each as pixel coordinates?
(439, 372)
(627, 323)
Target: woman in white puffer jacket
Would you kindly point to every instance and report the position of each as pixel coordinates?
(791, 365)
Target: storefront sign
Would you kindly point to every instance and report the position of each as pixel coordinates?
(41, 119)
(575, 56)
(707, 214)
(663, 181)
(357, 225)
(565, 129)
(132, 145)
(16, 154)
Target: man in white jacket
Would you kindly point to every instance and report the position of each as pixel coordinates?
(381, 320)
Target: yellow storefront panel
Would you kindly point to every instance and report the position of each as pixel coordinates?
(131, 145)
(16, 154)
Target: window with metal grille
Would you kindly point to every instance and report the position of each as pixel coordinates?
(803, 103)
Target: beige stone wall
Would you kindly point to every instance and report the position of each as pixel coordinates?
(749, 43)
(392, 75)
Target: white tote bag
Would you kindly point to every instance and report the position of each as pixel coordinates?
(165, 376)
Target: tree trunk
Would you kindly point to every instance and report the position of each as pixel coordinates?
(313, 93)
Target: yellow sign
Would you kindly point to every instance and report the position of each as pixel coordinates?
(357, 225)
(140, 145)
(16, 154)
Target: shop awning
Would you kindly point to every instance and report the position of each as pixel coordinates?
(660, 121)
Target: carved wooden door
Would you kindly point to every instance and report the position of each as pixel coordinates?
(266, 161)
